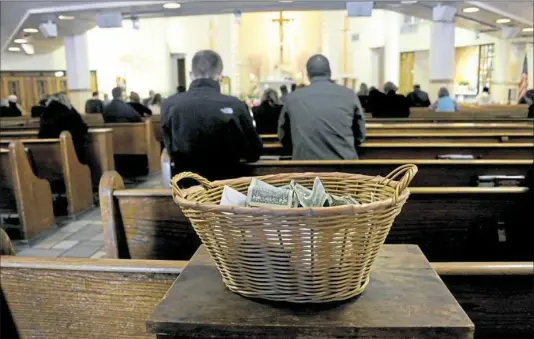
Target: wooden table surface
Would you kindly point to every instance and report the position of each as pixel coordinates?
(405, 298)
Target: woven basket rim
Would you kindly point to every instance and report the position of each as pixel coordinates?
(300, 211)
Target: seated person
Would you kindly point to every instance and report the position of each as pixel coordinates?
(267, 113)
(531, 111)
(38, 110)
(527, 98)
(323, 121)
(484, 98)
(418, 98)
(205, 131)
(119, 111)
(94, 105)
(155, 105)
(10, 108)
(393, 105)
(444, 103)
(59, 116)
(135, 102)
(363, 95)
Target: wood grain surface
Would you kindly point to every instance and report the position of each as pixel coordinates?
(84, 298)
(141, 226)
(23, 192)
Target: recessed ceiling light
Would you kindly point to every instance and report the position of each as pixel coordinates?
(66, 17)
(528, 29)
(470, 10)
(172, 5)
(13, 49)
(30, 30)
(503, 21)
(408, 2)
(285, 1)
(20, 41)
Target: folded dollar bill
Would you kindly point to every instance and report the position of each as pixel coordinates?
(262, 194)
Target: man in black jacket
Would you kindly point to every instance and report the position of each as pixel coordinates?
(119, 111)
(205, 131)
(94, 105)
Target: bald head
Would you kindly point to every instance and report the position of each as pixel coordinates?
(206, 64)
(318, 66)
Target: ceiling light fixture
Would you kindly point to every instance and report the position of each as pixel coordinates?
(59, 74)
(20, 41)
(13, 49)
(408, 2)
(528, 29)
(30, 30)
(285, 1)
(470, 10)
(172, 5)
(503, 21)
(66, 17)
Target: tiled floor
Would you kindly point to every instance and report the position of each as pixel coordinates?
(82, 238)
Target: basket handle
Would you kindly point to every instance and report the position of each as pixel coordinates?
(408, 172)
(181, 192)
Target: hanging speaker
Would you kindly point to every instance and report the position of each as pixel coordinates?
(109, 20)
(509, 32)
(356, 9)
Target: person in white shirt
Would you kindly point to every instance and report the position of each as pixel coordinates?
(484, 98)
(155, 105)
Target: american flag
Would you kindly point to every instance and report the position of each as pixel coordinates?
(523, 81)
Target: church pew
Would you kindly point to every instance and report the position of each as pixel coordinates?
(428, 150)
(444, 221)
(141, 226)
(100, 149)
(28, 121)
(497, 296)
(432, 172)
(128, 139)
(56, 161)
(23, 192)
(434, 137)
(63, 298)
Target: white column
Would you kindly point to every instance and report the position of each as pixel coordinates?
(78, 73)
(392, 24)
(441, 57)
(530, 65)
(502, 79)
(332, 42)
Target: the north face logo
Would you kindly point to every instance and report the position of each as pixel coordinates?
(227, 110)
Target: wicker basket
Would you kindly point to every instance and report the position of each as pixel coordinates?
(301, 255)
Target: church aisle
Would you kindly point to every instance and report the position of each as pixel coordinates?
(81, 238)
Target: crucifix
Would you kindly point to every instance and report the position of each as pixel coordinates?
(281, 22)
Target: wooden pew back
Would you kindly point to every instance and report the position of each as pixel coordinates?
(448, 223)
(100, 149)
(56, 161)
(22, 191)
(143, 224)
(84, 298)
(497, 296)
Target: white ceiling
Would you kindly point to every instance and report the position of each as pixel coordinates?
(16, 15)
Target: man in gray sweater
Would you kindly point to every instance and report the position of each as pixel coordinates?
(323, 121)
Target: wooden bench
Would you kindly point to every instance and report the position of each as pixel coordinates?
(443, 221)
(63, 298)
(27, 120)
(143, 224)
(497, 296)
(25, 193)
(432, 172)
(428, 150)
(100, 149)
(56, 161)
(435, 137)
(128, 139)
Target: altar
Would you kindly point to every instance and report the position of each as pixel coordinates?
(275, 80)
